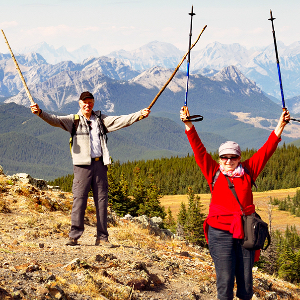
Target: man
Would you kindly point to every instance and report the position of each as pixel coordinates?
(90, 159)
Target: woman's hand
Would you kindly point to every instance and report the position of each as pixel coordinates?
(184, 114)
(284, 119)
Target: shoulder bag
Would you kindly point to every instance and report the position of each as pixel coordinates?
(255, 229)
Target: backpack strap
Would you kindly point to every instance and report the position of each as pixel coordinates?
(215, 178)
(252, 181)
(74, 129)
(103, 130)
(218, 173)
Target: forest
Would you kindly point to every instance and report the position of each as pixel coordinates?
(173, 176)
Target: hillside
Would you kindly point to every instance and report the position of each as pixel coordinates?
(232, 105)
(296, 143)
(29, 144)
(35, 263)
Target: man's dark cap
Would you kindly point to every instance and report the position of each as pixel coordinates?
(86, 95)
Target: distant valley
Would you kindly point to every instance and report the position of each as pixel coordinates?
(28, 144)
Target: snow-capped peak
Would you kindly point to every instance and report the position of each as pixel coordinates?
(156, 77)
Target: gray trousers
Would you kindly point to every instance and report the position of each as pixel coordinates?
(85, 177)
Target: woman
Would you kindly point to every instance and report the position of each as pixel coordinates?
(223, 225)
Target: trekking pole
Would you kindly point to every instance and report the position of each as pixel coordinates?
(175, 71)
(284, 108)
(19, 71)
(194, 118)
(189, 58)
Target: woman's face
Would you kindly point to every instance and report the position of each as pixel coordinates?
(230, 161)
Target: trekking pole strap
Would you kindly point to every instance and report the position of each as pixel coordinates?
(195, 118)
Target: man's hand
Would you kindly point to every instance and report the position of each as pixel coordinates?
(35, 109)
(145, 112)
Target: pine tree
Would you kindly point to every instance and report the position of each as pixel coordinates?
(170, 221)
(151, 205)
(268, 259)
(131, 207)
(288, 266)
(139, 190)
(297, 266)
(146, 195)
(195, 218)
(117, 197)
(181, 220)
(124, 185)
(292, 238)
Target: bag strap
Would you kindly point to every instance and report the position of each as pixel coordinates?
(231, 187)
(268, 243)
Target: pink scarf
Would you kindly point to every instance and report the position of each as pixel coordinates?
(237, 172)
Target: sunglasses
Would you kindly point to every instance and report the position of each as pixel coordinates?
(225, 158)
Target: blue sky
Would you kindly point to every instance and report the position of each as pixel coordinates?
(130, 24)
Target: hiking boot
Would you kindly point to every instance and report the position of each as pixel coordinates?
(103, 243)
(107, 244)
(72, 242)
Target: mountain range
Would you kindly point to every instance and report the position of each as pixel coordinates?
(54, 56)
(258, 64)
(36, 70)
(233, 106)
(118, 89)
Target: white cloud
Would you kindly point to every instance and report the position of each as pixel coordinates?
(129, 24)
(91, 28)
(49, 31)
(9, 24)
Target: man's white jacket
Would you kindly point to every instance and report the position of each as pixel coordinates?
(81, 149)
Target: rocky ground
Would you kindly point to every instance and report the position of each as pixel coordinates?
(35, 263)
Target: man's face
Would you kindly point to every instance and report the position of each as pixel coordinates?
(86, 106)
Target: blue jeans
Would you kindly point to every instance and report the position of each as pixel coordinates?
(231, 261)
